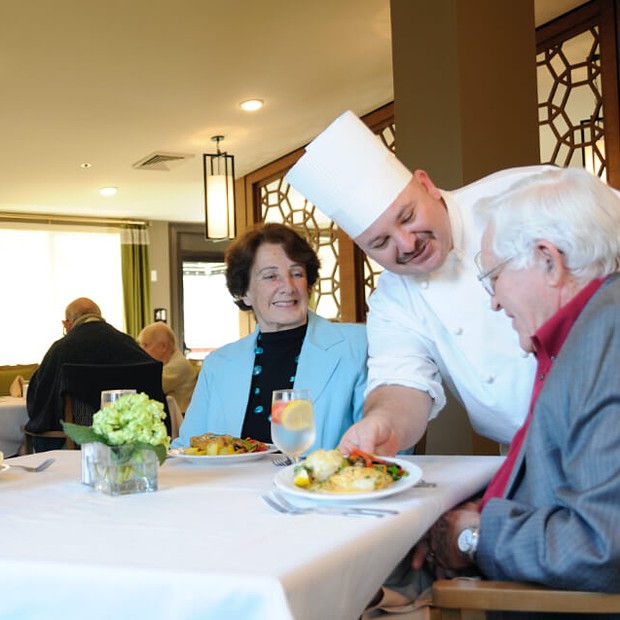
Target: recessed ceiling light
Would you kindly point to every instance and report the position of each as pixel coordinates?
(108, 191)
(251, 104)
(86, 165)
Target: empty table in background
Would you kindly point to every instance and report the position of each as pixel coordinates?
(13, 416)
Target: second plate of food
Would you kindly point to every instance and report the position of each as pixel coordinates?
(284, 481)
(220, 459)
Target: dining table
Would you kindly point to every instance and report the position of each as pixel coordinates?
(13, 416)
(205, 545)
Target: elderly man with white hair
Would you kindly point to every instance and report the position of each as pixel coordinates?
(550, 259)
(178, 376)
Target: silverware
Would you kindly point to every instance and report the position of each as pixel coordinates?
(40, 467)
(305, 511)
(280, 503)
(370, 511)
(273, 504)
(422, 484)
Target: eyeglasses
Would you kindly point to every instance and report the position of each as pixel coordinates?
(485, 277)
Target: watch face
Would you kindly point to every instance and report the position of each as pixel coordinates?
(467, 542)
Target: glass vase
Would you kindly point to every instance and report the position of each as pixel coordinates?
(120, 470)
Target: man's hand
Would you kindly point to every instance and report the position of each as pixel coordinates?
(395, 418)
(442, 537)
(373, 434)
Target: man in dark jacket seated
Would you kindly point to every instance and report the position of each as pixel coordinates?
(88, 340)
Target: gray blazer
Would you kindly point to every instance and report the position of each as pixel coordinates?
(558, 523)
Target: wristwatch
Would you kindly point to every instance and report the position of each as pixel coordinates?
(467, 542)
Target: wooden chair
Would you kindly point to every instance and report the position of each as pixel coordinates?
(29, 435)
(82, 385)
(459, 599)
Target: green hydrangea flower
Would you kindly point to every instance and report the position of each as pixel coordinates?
(133, 418)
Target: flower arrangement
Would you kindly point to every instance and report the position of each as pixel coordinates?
(134, 421)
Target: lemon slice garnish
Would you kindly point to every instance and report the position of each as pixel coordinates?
(297, 415)
(301, 477)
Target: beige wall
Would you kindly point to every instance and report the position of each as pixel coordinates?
(465, 106)
(464, 86)
(159, 257)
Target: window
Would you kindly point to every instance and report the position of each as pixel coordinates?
(210, 317)
(44, 268)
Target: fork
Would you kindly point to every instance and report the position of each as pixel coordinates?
(298, 510)
(40, 467)
(351, 511)
(379, 512)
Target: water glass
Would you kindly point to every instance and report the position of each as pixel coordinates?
(292, 422)
(89, 450)
(109, 396)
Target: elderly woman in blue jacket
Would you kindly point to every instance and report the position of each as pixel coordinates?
(271, 271)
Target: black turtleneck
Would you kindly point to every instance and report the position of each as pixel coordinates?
(275, 364)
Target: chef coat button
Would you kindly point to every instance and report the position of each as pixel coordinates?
(424, 284)
(490, 379)
(458, 331)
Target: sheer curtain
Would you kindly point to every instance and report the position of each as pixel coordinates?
(136, 277)
(44, 267)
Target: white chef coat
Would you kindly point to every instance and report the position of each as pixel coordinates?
(440, 326)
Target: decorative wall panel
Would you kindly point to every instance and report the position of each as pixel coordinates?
(279, 202)
(571, 103)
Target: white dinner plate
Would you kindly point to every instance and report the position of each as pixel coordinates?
(284, 481)
(4, 467)
(221, 459)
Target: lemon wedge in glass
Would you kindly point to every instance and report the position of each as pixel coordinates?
(297, 415)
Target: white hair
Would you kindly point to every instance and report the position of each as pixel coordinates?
(569, 207)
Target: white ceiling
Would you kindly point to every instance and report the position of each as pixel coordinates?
(108, 83)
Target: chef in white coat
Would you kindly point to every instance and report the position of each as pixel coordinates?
(430, 323)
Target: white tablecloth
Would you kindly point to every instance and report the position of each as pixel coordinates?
(13, 415)
(204, 546)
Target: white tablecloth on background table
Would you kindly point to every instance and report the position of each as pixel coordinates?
(204, 546)
(13, 416)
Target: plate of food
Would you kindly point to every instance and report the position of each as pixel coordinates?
(213, 448)
(328, 475)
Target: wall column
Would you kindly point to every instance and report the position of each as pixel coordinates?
(465, 106)
(464, 86)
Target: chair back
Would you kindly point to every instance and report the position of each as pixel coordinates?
(176, 417)
(83, 383)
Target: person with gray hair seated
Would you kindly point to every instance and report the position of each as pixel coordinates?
(88, 339)
(179, 377)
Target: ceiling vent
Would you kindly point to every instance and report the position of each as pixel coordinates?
(161, 161)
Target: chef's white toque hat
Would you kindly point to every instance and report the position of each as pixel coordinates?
(349, 174)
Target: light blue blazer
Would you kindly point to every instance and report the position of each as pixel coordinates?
(332, 365)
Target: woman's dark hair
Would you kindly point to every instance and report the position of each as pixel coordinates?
(241, 253)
